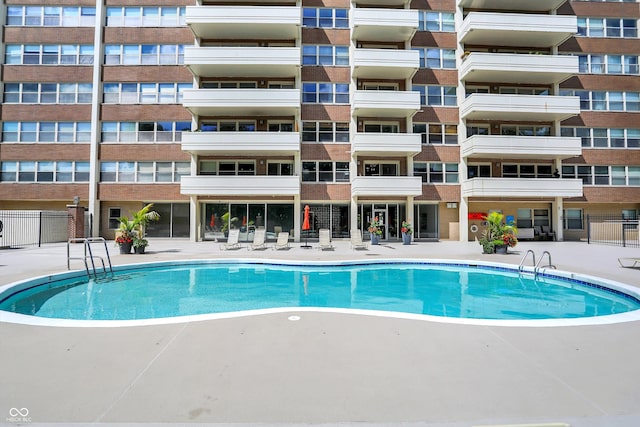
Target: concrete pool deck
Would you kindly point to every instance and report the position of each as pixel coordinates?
(325, 368)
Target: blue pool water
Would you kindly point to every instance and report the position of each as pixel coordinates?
(457, 291)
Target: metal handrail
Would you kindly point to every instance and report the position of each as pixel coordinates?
(533, 254)
(537, 267)
(88, 255)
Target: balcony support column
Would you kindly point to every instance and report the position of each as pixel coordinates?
(354, 212)
(464, 219)
(558, 219)
(297, 223)
(194, 227)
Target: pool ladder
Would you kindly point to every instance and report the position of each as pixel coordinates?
(536, 265)
(89, 256)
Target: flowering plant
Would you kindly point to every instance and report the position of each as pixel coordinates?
(406, 227)
(375, 226)
(509, 239)
(124, 238)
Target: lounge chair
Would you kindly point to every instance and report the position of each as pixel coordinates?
(548, 232)
(356, 240)
(259, 236)
(325, 239)
(629, 262)
(232, 240)
(283, 241)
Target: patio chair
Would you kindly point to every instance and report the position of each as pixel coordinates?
(546, 230)
(283, 241)
(629, 262)
(259, 236)
(232, 240)
(324, 239)
(356, 239)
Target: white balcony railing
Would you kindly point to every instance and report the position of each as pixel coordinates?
(385, 63)
(378, 144)
(521, 187)
(241, 143)
(511, 5)
(386, 186)
(243, 61)
(494, 106)
(257, 102)
(521, 147)
(391, 25)
(244, 22)
(383, 103)
(255, 185)
(516, 29)
(517, 69)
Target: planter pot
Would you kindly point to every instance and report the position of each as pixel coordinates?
(125, 248)
(140, 249)
(501, 249)
(375, 239)
(406, 239)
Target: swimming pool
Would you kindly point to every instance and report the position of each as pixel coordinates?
(178, 291)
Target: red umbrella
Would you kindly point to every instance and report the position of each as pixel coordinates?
(305, 223)
(213, 221)
(306, 226)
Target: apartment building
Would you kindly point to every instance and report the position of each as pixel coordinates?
(238, 114)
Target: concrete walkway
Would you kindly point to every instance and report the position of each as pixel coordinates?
(325, 368)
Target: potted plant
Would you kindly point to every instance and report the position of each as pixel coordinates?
(498, 236)
(133, 229)
(375, 230)
(406, 233)
(139, 245)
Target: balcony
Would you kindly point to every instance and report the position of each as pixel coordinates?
(493, 106)
(241, 61)
(384, 25)
(517, 69)
(521, 147)
(386, 186)
(244, 22)
(516, 29)
(523, 5)
(385, 63)
(382, 103)
(241, 143)
(520, 188)
(242, 102)
(386, 144)
(255, 185)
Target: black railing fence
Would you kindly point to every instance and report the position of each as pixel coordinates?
(33, 228)
(613, 230)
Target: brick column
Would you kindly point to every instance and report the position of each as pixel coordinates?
(75, 227)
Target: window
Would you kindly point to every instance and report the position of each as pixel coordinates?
(437, 95)
(606, 101)
(608, 64)
(325, 171)
(572, 219)
(44, 171)
(142, 171)
(478, 171)
(280, 168)
(147, 16)
(436, 173)
(325, 18)
(114, 218)
(325, 131)
(526, 171)
(437, 133)
(435, 21)
(144, 93)
(144, 54)
(46, 132)
(325, 93)
(51, 16)
(47, 93)
(605, 137)
(325, 55)
(49, 54)
(381, 169)
(437, 58)
(143, 131)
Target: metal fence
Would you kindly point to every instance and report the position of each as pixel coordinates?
(30, 228)
(613, 230)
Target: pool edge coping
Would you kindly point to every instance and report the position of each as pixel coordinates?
(616, 287)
